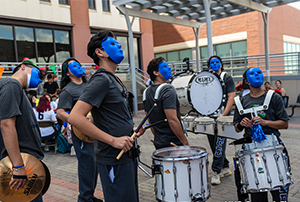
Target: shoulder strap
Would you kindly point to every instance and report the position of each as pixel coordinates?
(157, 91)
(222, 75)
(238, 104)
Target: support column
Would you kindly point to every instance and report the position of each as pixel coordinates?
(132, 62)
(197, 47)
(266, 35)
(208, 27)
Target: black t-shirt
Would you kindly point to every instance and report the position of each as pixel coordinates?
(68, 98)
(51, 88)
(15, 103)
(110, 114)
(275, 112)
(229, 85)
(167, 100)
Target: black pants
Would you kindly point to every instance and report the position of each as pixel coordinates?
(277, 195)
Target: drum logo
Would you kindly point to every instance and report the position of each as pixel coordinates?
(167, 171)
(204, 80)
(260, 170)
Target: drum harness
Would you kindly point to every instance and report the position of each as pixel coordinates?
(253, 112)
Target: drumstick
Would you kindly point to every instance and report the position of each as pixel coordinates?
(154, 124)
(152, 141)
(138, 128)
(173, 144)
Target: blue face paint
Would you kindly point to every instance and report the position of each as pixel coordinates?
(33, 79)
(215, 64)
(114, 50)
(255, 77)
(165, 70)
(76, 69)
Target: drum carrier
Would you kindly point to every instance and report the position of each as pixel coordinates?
(263, 165)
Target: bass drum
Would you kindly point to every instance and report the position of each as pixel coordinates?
(202, 92)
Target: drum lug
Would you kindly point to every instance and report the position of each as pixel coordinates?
(288, 173)
(267, 169)
(276, 157)
(181, 96)
(156, 169)
(190, 180)
(223, 127)
(254, 171)
(198, 198)
(175, 182)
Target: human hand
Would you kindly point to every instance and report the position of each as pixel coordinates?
(124, 143)
(259, 120)
(18, 183)
(140, 132)
(246, 122)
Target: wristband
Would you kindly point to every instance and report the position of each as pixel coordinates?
(20, 177)
(18, 167)
(239, 126)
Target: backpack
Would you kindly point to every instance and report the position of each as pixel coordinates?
(62, 144)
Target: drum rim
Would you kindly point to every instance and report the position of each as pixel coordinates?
(223, 92)
(161, 158)
(259, 150)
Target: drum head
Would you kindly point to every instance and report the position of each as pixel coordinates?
(206, 93)
(179, 153)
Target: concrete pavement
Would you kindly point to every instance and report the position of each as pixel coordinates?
(63, 168)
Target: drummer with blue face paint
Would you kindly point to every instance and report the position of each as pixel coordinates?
(271, 120)
(220, 164)
(167, 106)
(106, 97)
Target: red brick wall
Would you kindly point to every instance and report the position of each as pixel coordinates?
(282, 21)
(147, 51)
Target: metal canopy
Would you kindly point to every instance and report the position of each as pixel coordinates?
(194, 9)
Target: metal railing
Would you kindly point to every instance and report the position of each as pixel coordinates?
(280, 64)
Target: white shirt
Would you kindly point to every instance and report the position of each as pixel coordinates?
(45, 116)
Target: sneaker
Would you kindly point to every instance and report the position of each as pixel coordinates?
(46, 148)
(215, 179)
(225, 172)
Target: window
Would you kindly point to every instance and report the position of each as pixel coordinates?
(164, 55)
(105, 5)
(223, 50)
(92, 4)
(7, 49)
(291, 62)
(25, 43)
(175, 55)
(39, 45)
(123, 41)
(45, 47)
(62, 45)
(46, 0)
(204, 52)
(65, 2)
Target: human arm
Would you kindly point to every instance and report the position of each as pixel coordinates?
(10, 139)
(229, 104)
(283, 92)
(62, 115)
(78, 119)
(175, 125)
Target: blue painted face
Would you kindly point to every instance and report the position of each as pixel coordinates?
(255, 77)
(114, 50)
(215, 64)
(33, 79)
(76, 68)
(165, 70)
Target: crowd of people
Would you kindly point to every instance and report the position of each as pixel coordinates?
(108, 128)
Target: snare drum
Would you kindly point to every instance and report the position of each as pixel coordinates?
(203, 91)
(263, 168)
(188, 123)
(181, 174)
(204, 125)
(226, 128)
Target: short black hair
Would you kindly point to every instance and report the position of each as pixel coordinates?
(95, 42)
(244, 74)
(215, 56)
(49, 76)
(278, 81)
(153, 66)
(267, 82)
(30, 64)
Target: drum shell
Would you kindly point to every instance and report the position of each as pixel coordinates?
(226, 129)
(181, 84)
(188, 123)
(165, 180)
(205, 126)
(261, 169)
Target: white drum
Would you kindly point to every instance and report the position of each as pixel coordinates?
(263, 168)
(201, 91)
(188, 123)
(226, 128)
(181, 174)
(204, 125)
